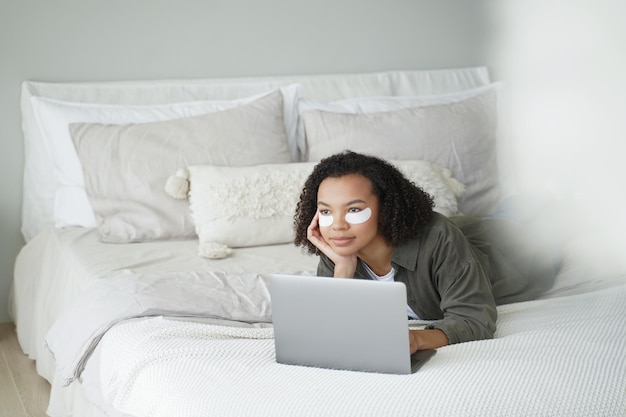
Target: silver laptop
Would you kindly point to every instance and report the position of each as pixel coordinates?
(348, 324)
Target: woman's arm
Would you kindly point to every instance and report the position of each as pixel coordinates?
(452, 286)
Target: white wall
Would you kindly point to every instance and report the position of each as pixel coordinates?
(73, 40)
(564, 62)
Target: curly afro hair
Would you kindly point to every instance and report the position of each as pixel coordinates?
(404, 207)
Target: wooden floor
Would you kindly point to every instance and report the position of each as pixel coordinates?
(23, 393)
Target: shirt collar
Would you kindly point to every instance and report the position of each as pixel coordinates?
(406, 255)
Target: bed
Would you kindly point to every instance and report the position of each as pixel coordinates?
(154, 211)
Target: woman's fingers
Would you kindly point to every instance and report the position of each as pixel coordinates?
(313, 228)
(315, 237)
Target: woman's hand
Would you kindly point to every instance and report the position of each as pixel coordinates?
(427, 339)
(344, 265)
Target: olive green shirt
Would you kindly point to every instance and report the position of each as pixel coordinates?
(458, 269)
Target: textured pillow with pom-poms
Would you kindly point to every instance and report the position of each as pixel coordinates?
(252, 206)
(241, 206)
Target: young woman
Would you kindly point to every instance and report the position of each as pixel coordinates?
(366, 220)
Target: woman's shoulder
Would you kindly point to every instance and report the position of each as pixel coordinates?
(444, 224)
(439, 229)
(451, 230)
(439, 237)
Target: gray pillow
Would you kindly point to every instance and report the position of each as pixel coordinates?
(125, 166)
(460, 136)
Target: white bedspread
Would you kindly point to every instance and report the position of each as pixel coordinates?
(564, 356)
(558, 357)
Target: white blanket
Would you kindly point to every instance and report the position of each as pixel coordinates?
(560, 357)
(564, 356)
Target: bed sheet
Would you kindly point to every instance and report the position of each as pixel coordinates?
(54, 269)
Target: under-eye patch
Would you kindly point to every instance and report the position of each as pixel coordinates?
(359, 216)
(325, 220)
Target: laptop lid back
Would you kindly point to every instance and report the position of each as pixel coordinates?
(335, 323)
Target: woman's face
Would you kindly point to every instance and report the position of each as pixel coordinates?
(348, 213)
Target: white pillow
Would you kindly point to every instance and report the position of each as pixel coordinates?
(459, 135)
(250, 206)
(72, 207)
